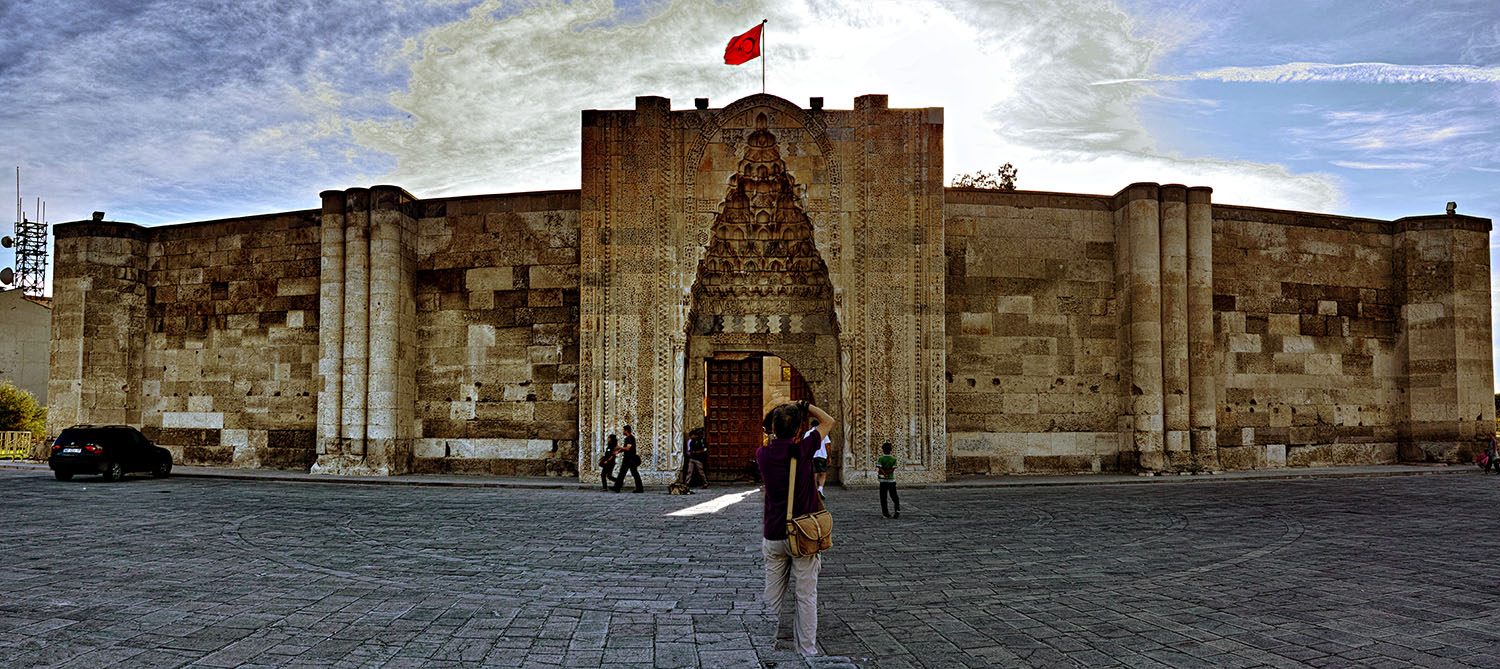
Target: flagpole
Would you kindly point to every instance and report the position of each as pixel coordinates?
(763, 56)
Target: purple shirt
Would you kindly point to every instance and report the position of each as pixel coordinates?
(774, 460)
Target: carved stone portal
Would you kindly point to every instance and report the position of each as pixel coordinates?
(733, 231)
(762, 286)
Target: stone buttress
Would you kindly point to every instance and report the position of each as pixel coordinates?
(367, 333)
(1164, 288)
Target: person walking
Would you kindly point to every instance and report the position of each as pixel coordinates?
(607, 461)
(885, 473)
(773, 460)
(629, 461)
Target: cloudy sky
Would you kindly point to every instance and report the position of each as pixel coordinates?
(179, 110)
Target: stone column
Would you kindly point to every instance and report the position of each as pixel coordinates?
(367, 410)
(390, 405)
(331, 331)
(1174, 320)
(98, 324)
(1441, 268)
(1141, 226)
(356, 321)
(1202, 377)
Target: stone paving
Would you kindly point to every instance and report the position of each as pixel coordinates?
(1368, 572)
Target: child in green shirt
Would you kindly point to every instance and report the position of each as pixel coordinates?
(885, 473)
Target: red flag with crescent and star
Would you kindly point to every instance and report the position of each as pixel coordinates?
(744, 48)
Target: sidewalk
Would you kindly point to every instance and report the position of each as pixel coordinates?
(1014, 481)
(1336, 571)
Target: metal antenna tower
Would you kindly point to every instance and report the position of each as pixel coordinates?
(30, 242)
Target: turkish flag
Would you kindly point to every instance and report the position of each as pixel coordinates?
(744, 48)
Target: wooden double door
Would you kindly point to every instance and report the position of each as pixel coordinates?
(733, 426)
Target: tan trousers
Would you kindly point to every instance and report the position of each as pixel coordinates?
(692, 470)
(781, 570)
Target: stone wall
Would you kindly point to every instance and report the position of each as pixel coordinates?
(229, 375)
(982, 332)
(382, 334)
(1031, 332)
(497, 321)
(1155, 330)
(203, 335)
(1306, 309)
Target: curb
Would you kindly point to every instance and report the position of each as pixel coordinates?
(276, 476)
(301, 477)
(1226, 477)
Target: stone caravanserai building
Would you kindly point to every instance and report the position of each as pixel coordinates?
(716, 257)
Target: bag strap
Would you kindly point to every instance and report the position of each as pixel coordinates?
(791, 488)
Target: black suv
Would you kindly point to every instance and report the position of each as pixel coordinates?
(111, 450)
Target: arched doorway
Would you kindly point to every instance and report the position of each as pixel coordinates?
(761, 299)
(739, 388)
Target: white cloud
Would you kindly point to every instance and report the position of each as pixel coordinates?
(169, 110)
(1379, 166)
(1366, 73)
(1234, 182)
(492, 103)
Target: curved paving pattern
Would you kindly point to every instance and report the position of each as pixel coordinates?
(1347, 572)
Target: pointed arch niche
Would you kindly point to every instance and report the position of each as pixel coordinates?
(761, 284)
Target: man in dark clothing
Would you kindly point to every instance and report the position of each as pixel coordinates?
(629, 461)
(784, 424)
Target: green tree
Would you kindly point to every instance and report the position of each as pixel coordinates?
(19, 411)
(1003, 178)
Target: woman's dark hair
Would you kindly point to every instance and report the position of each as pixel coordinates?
(612, 441)
(784, 421)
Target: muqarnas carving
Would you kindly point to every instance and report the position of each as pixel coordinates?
(762, 272)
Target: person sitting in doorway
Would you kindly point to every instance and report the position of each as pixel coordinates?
(697, 457)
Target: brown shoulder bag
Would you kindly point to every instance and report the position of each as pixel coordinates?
(810, 533)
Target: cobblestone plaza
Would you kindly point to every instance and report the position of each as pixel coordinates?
(1389, 571)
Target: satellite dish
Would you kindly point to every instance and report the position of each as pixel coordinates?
(7, 242)
(7, 276)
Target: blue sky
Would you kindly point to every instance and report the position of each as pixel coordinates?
(182, 110)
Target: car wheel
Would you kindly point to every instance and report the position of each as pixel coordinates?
(114, 472)
(163, 468)
(63, 476)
